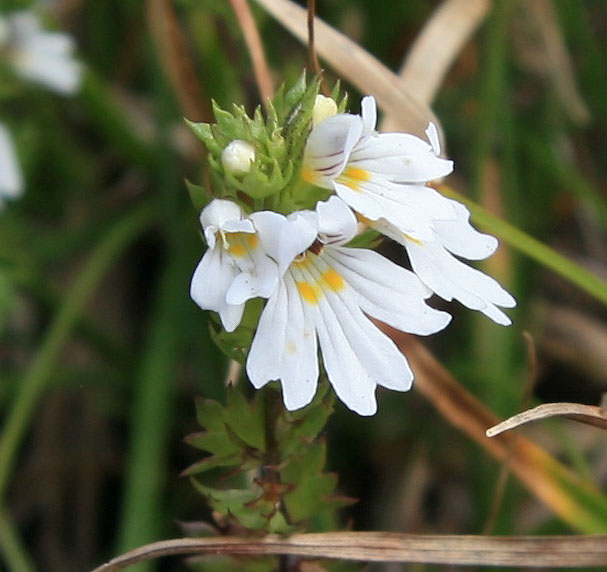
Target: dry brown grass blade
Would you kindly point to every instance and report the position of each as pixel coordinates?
(439, 43)
(435, 49)
(356, 66)
(543, 475)
(556, 58)
(588, 414)
(176, 61)
(263, 76)
(547, 552)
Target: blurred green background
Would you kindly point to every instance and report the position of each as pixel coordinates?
(102, 351)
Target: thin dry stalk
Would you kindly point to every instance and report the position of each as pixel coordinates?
(313, 57)
(543, 475)
(247, 24)
(547, 552)
(176, 60)
(502, 480)
(588, 414)
(356, 65)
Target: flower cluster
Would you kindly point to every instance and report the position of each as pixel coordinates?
(321, 292)
(38, 56)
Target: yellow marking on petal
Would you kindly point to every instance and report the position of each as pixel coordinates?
(308, 175)
(252, 241)
(237, 249)
(352, 177)
(311, 293)
(291, 348)
(302, 261)
(363, 219)
(413, 240)
(333, 280)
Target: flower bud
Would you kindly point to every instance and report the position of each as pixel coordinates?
(324, 107)
(237, 157)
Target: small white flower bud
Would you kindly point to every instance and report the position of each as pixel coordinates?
(323, 107)
(237, 157)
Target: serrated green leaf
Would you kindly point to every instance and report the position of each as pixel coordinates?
(213, 462)
(245, 419)
(245, 505)
(215, 442)
(310, 497)
(309, 462)
(210, 414)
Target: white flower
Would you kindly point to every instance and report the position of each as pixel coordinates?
(325, 296)
(435, 262)
(237, 266)
(11, 181)
(40, 56)
(237, 157)
(380, 175)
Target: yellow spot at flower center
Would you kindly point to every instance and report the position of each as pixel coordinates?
(237, 250)
(308, 175)
(311, 293)
(333, 280)
(240, 243)
(352, 177)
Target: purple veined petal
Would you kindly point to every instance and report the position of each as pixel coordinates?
(328, 148)
(336, 221)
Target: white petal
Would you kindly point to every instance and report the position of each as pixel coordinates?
(285, 348)
(295, 237)
(461, 238)
(450, 278)
(387, 291)
(44, 57)
(328, 148)
(412, 209)
(11, 182)
(432, 134)
(369, 114)
(336, 221)
(210, 282)
(218, 212)
(401, 157)
(259, 280)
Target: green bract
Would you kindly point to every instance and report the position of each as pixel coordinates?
(278, 139)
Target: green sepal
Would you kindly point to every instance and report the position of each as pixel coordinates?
(199, 196)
